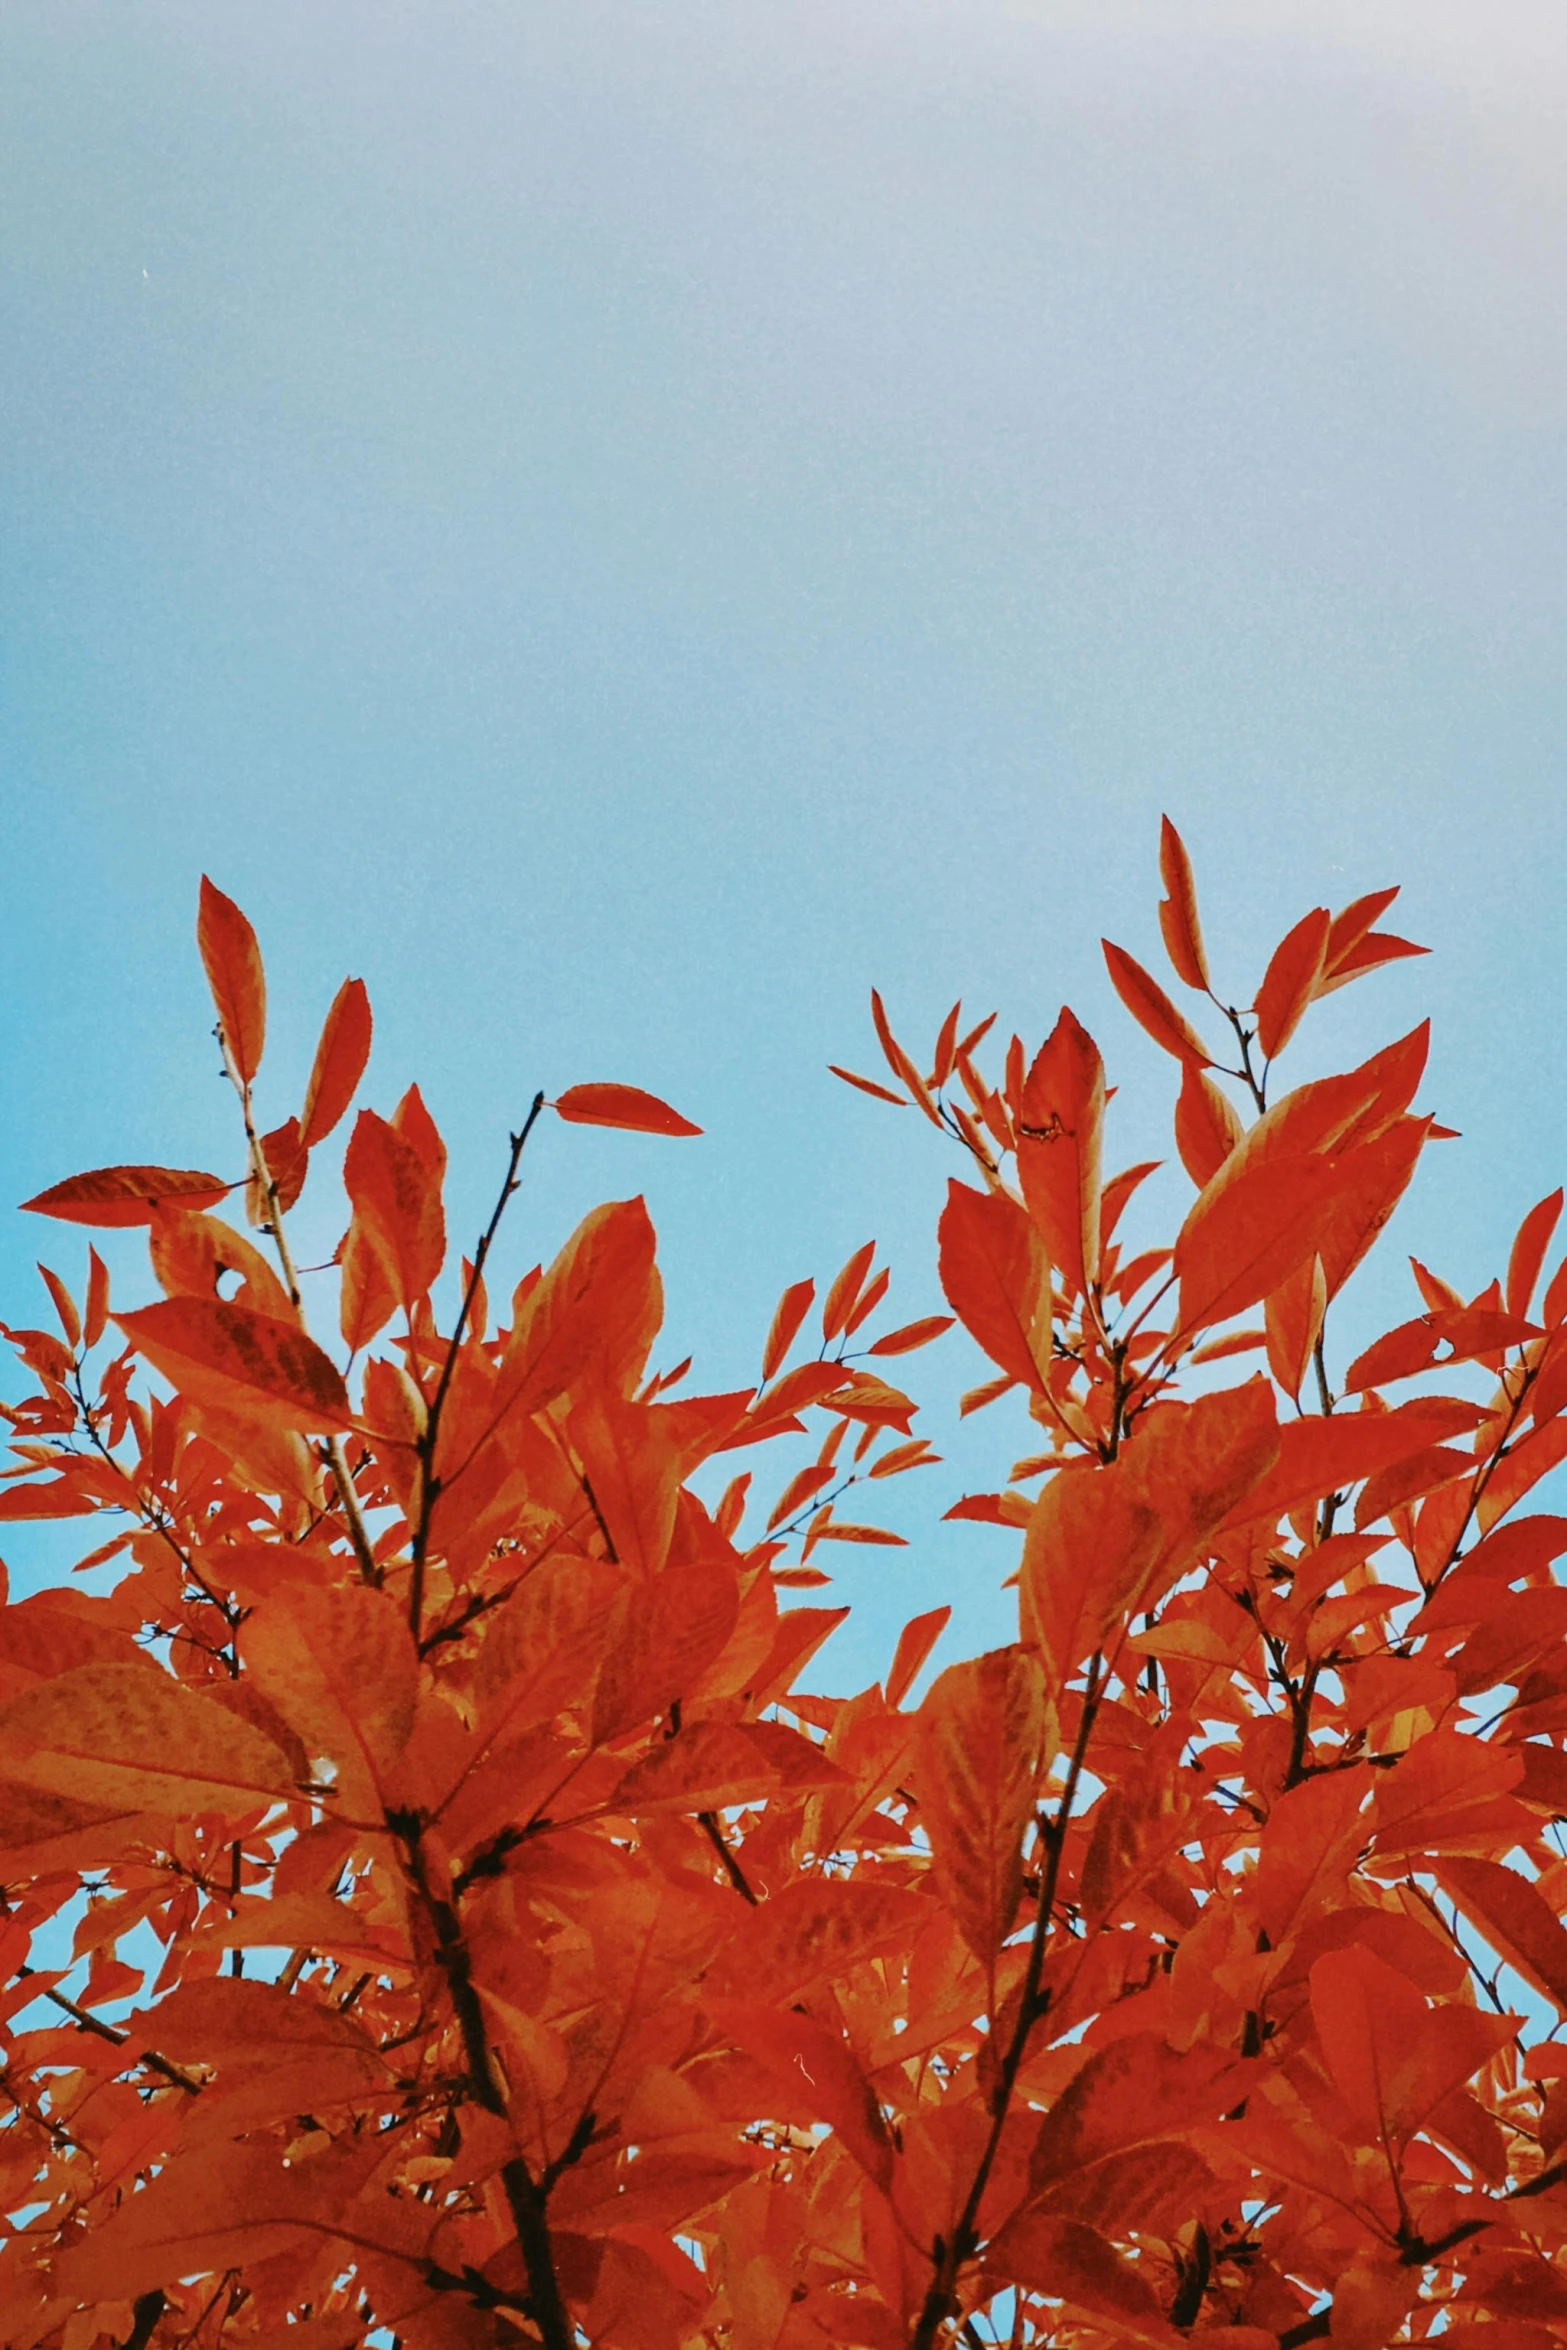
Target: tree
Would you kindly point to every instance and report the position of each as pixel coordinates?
(534, 1960)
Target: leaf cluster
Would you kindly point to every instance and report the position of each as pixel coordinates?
(435, 1914)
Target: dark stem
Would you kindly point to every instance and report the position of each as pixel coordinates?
(939, 2301)
(146, 2310)
(525, 2195)
(429, 1487)
(88, 2022)
(732, 1869)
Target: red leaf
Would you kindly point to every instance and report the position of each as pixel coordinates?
(1528, 1251)
(64, 1306)
(816, 2074)
(915, 1643)
(1059, 1127)
(339, 1063)
(1152, 1009)
(1207, 1126)
(397, 1207)
(1379, 948)
(840, 1299)
(882, 1093)
(997, 1278)
(1291, 981)
(1514, 1918)
(1293, 1320)
(792, 1309)
(621, 1105)
(1319, 1455)
(97, 1297)
(228, 1355)
(233, 965)
(1178, 910)
(910, 1335)
(985, 1733)
(118, 1196)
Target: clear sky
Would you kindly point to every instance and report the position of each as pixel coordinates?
(625, 525)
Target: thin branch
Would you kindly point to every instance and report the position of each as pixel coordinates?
(939, 2301)
(732, 1869)
(337, 1459)
(430, 1487)
(86, 2021)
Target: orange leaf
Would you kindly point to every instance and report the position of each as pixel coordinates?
(339, 1063)
(1134, 2092)
(1380, 947)
(1352, 925)
(985, 1732)
(599, 1302)
(910, 1335)
(397, 1206)
(1059, 1130)
(1103, 1541)
(1178, 909)
(232, 960)
(1073, 2263)
(237, 1359)
(915, 1642)
(1291, 980)
(133, 1737)
(97, 1298)
(1207, 1125)
(340, 1667)
(898, 1060)
(1293, 1320)
(840, 1299)
(881, 1093)
(64, 1306)
(1451, 1335)
(118, 1196)
(1248, 1231)
(1152, 1009)
(1321, 1455)
(816, 2071)
(1515, 1919)
(621, 1105)
(1528, 1251)
(996, 1276)
(792, 1309)
(1392, 2057)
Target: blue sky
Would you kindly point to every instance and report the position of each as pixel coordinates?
(625, 526)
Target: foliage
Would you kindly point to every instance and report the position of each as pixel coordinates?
(534, 1960)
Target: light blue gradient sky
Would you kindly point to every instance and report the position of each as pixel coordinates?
(625, 525)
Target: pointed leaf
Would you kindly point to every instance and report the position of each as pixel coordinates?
(1059, 1128)
(1152, 1009)
(1178, 909)
(1528, 1251)
(132, 1736)
(996, 1276)
(621, 1105)
(792, 1309)
(339, 1063)
(1291, 981)
(238, 1359)
(915, 1642)
(119, 1196)
(1207, 1125)
(232, 960)
(985, 1734)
